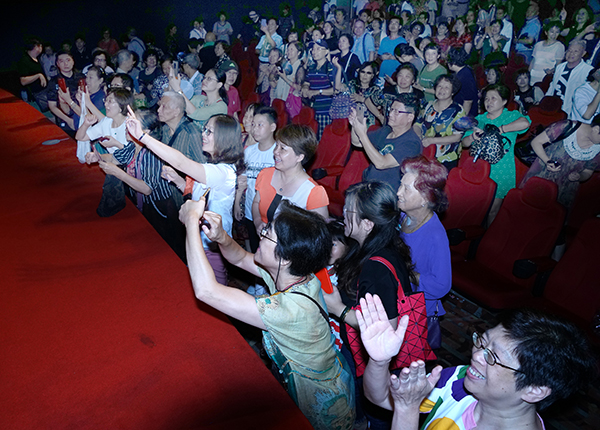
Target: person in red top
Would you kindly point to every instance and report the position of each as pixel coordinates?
(108, 44)
(235, 104)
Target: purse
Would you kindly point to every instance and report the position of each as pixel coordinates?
(492, 145)
(341, 105)
(415, 345)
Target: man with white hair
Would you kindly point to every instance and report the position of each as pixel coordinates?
(570, 75)
(181, 134)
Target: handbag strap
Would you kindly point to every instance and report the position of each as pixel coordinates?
(391, 268)
(323, 313)
(273, 207)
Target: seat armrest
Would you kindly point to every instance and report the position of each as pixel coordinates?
(527, 267)
(458, 235)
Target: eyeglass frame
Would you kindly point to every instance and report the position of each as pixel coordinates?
(478, 343)
(264, 231)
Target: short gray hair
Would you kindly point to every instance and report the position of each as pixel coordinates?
(122, 55)
(176, 100)
(192, 60)
(579, 42)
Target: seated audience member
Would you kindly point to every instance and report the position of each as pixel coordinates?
(81, 55)
(125, 63)
(430, 72)
(149, 73)
(510, 124)
(347, 59)
(190, 66)
(269, 40)
(99, 59)
(31, 72)
(287, 179)
(421, 197)
(60, 102)
(568, 153)
(527, 95)
(295, 332)
(389, 63)
(467, 96)
(387, 147)
(435, 123)
(364, 44)
(547, 54)
(406, 76)
(208, 58)
(48, 61)
(222, 50)
(492, 76)
(257, 157)
(121, 80)
(107, 43)
(530, 33)
(234, 103)
(570, 75)
(524, 364)
(213, 100)
(221, 140)
(586, 99)
(319, 84)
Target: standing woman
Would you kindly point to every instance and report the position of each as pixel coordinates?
(430, 72)
(406, 76)
(421, 197)
(222, 141)
(213, 101)
(172, 41)
(510, 124)
(435, 123)
(287, 180)
(330, 37)
(296, 332)
(222, 28)
(463, 38)
(443, 38)
(547, 53)
(581, 26)
(347, 60)
(490, 41)
(363, 88)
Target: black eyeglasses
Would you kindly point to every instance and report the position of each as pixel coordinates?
(489, 356)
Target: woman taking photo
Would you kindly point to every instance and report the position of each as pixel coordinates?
(568, 153)
(296, 144)
(510, 124)
(296, 332)
(490, 41)
(222, 141)
(435, 122)
(363, 88)
(421, 197)
(214, 100)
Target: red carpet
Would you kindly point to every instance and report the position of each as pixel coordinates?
(99, 328)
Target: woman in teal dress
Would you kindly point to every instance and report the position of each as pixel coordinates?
(511, 124)
(293, 316)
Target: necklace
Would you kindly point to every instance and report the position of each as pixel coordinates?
(407, 222)
(300, 281)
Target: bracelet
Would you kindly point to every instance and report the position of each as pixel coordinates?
(343, 314)
(141, 137)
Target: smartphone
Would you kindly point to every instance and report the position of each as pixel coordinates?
(176, 68)
(82, 85)
(62, 84)
(202, 220)
(361, 111)
(263, 22)
(555, 163)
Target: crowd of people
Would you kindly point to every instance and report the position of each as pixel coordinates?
(225, 184)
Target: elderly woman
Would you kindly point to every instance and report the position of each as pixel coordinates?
(296, 144)
(510, 124)
(435, 123)
(522, 365)
(295, 327)
(222, 141)
(406, 77)
(362, 89)
(568, 153)
(421, 197)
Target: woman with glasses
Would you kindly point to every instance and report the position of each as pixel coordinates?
(362, 88)
(520, 367)
(287, 180)
(222, 141)
(213, 101)
(296, 332)
(371, 218)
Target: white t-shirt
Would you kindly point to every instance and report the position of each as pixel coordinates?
(221, 178)
(582, 98)
(104, 128)
(255, 160)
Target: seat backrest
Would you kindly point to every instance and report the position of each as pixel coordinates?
(306, 116)
(527, 226)
(470, 193)
(351, 175)
(282, 113)
(574, 283)
(333, 148)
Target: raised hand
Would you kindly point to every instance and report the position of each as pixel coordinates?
(215, 232)
(134, 126)
(413, 384)
(378, 336)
